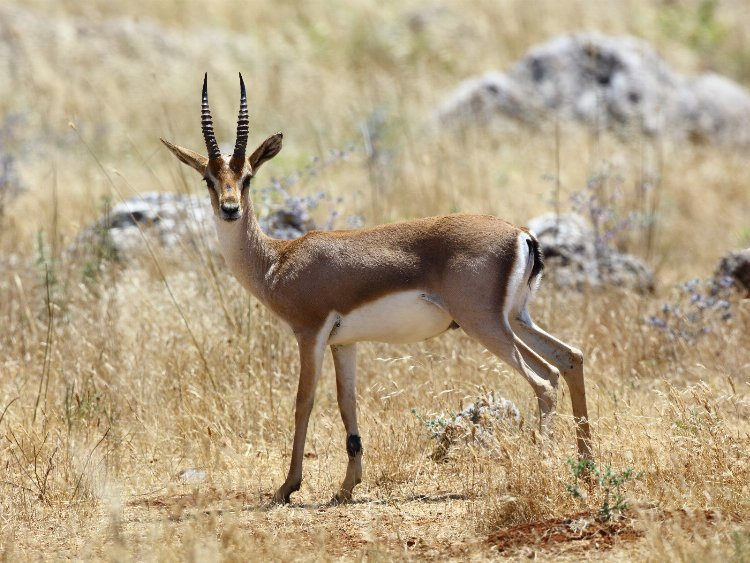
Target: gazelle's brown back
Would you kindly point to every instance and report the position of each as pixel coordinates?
(342, 270)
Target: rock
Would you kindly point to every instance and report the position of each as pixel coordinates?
(625, 270)
(617, 83)
(475, 425)
(734, 269)
(573, 258)
(192, 475)
(287, 223)
(175, 220)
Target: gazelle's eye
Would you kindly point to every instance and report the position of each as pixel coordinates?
(209, 183)
(246, 182)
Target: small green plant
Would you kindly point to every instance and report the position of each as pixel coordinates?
(435, 425)
(609, 482)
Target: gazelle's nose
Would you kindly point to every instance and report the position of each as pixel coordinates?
(230, 210)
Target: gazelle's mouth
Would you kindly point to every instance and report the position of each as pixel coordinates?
(231, 218)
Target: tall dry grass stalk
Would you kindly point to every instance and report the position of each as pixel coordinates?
(114, 380)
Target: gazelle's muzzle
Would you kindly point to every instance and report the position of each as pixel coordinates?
(230, 209)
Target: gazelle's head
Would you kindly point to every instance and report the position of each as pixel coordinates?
(227, 176)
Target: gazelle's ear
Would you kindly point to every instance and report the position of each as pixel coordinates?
(266, 151)
(192, 159)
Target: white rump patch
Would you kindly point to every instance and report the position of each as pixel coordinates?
(398, 318)
(518, 290)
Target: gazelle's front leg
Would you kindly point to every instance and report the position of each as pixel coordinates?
(345, 362)
(310, 358)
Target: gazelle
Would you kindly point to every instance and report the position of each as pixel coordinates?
(401, 282)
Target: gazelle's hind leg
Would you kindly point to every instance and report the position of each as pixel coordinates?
(345, 362)
(497, 336)
(551, 375)
(569, 361)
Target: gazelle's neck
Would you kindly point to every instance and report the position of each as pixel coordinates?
(246, 249)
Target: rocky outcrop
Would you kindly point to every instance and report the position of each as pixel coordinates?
(573, 258)
(618, 83)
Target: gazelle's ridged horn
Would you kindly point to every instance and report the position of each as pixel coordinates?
(207, 125)
(243, 128)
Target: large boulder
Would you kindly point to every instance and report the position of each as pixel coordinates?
(618, 83)
(573, 258)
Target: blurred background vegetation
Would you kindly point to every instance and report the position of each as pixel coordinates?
(335, 76)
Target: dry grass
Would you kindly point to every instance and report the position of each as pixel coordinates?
(109, 388)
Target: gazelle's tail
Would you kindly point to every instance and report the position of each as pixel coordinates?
(536, 259)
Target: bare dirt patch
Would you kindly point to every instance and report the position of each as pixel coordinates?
(584, 531)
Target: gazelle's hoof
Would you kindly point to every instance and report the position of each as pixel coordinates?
(341, 497)
(285, 491)
(280, 498)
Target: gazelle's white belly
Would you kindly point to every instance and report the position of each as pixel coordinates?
(398, 318)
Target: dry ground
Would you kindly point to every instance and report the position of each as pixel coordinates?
(146, 411)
